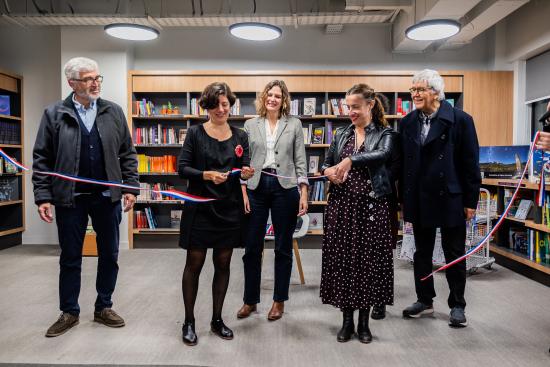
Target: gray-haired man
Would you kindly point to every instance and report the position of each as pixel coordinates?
(84, 136)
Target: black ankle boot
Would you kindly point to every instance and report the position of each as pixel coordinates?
(363, 331)
(348, 327)
(378, 312)
(221, 330)
(188, 333)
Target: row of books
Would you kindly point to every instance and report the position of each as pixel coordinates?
(147, 191)
(10, 132)
(6, 167)
(404, 107)
(319, 134)
(531, 243)
(148, 108)
(159, 135)
(145, 219)
(157, 164)
(318, 191)
(196, 109)
(304, 107)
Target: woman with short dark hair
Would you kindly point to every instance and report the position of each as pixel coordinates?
(209, 153)
(357, 261)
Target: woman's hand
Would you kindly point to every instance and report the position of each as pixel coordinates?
(303, 200)
(342, 169)
(331, 175)
(216, 177)
(246, 201)
(247, 172)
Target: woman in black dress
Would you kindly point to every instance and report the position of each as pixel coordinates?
(357, 261)
(209, 153)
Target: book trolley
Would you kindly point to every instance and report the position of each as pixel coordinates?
(476, 230)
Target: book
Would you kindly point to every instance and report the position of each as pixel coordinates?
(313, 166)
(523, 209)
(5, 105)
(502, 161)
(175, 218)
(305, 131)
(315, 220)
(309, 106)
(318, 135)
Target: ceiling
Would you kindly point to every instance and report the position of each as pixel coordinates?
(476, 16)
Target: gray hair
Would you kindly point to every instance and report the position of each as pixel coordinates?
(433, 79)
(76, 65)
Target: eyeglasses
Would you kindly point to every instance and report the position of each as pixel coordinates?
(419, 90)
(89, 80)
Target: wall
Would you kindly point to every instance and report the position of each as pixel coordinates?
(33, 53)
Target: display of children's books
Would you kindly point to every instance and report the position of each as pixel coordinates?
(503, 161)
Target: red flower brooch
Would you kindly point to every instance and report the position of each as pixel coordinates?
(239, 151)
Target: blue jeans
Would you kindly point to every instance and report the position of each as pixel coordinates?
(71, 228)
(284, 205)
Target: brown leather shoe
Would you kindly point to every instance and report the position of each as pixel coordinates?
(276, 312)
(108, 317)
(245, 311)
(63, 323)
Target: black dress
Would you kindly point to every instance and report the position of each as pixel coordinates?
(357, 260)
(219, 223)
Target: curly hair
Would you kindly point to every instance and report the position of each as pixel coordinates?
(285, 103)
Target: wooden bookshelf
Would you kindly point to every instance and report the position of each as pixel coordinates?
(12, 185)
(180, 87)
(522, 259)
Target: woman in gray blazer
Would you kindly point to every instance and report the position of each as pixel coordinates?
(276, 148)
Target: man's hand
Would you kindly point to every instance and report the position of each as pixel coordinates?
(216, 177)
(129, 201)
(469, 213)
(45, 212)
(544, 141)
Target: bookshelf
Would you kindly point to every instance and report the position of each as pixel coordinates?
(520, 254)
(12, 184)
(181, 89)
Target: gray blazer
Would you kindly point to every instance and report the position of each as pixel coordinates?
(290, 151)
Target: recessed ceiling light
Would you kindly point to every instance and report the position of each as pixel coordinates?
(131, 32)
(255, 31)
(432, 30)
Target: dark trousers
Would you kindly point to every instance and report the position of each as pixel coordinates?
(284, 210)
(71, 228)
(453, 243)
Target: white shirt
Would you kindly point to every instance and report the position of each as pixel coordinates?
(270, 137)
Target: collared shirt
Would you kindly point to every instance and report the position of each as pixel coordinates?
(425, 124)
(270, 138)
(87, 115)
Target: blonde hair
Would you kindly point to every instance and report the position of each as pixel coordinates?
(285, 103)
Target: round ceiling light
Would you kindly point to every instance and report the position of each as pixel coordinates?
(255, 31)
(131, 32)
(432, 30)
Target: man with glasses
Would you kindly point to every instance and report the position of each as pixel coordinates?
(439, 188)
(84, 136)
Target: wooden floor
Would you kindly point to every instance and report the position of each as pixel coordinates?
(509, 318)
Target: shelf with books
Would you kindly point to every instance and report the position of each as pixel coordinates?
(520, 258)
(318, 202)
(311, 91)
(315, 232)
(12, 183)
(156, 231)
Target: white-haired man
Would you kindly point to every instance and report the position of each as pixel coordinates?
(439, 187)
(84, 136)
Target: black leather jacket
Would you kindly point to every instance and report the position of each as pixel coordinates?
(379, 147)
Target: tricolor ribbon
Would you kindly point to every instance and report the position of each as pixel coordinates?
(171, 193)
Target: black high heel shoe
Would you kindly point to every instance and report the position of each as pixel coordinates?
(221, 330)
(189, 336)
(378, 312)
